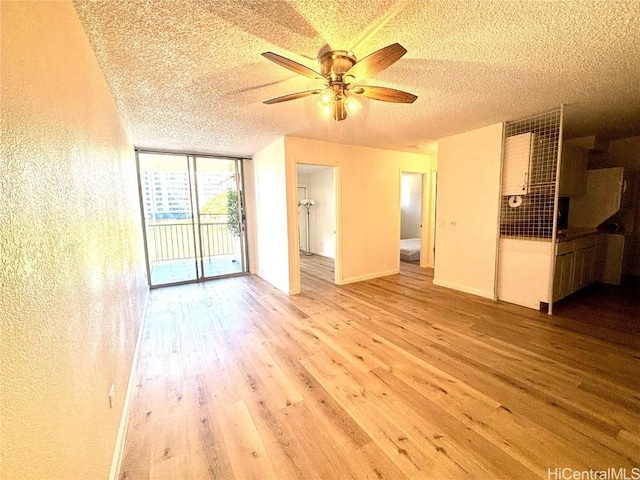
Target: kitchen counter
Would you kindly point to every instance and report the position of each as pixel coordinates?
(573, 233)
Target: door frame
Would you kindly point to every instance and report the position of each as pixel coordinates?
(294, 260)
(427, 215)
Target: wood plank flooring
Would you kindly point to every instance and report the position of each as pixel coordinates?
(387, 379)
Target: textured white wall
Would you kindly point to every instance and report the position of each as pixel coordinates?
(250, 212)
(72, 276)
(467, 210)
(271, 215)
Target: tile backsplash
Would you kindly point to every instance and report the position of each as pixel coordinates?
(532, 218)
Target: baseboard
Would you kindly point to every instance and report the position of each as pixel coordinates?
(322, 254)
(465, 289)
(118, 452)
(369, 276)
(283, 290)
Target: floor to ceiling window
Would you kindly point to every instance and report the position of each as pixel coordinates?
(193, 216)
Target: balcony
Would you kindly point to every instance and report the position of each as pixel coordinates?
(179, 250)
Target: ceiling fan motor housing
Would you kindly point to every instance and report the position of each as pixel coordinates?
(334, 64)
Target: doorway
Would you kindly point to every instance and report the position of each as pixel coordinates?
(316, 222)
(411, 216)
(193, 217)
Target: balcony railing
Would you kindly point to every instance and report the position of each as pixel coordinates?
(175, 241)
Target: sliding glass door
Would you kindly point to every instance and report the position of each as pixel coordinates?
(220, 216)
(193, 217)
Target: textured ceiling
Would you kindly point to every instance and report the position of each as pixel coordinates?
(188, 75)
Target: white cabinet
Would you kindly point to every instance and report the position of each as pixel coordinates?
(517, 164)
(614, 259)
(523, 268)
(585, 257)
(585, 249)
(601, 258)
(562, 280)
(579, 263)
(573, 171)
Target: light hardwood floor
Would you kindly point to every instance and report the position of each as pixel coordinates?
(389, 378)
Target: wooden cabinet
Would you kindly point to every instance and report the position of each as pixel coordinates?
(517, 164)
(573, 171)
(579, 263)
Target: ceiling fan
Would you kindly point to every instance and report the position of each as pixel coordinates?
(341, 74)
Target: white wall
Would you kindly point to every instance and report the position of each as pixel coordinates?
(72, 277)
(468, 210)
(322, 216)
(410, 205)
(250, 213)
(271, 222)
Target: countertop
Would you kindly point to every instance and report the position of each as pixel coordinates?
(573, 233)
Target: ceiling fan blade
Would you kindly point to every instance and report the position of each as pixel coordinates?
(292, 96)
(383, 94)
(376, 62)
(293, 66)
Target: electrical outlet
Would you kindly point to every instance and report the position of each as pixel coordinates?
(112, 395)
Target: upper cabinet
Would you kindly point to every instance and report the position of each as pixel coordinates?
(573, 171)
(517, 164)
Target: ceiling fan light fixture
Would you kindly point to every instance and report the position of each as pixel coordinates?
(326, 97)
(352, 105)
(326, 111)
(337, 105)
